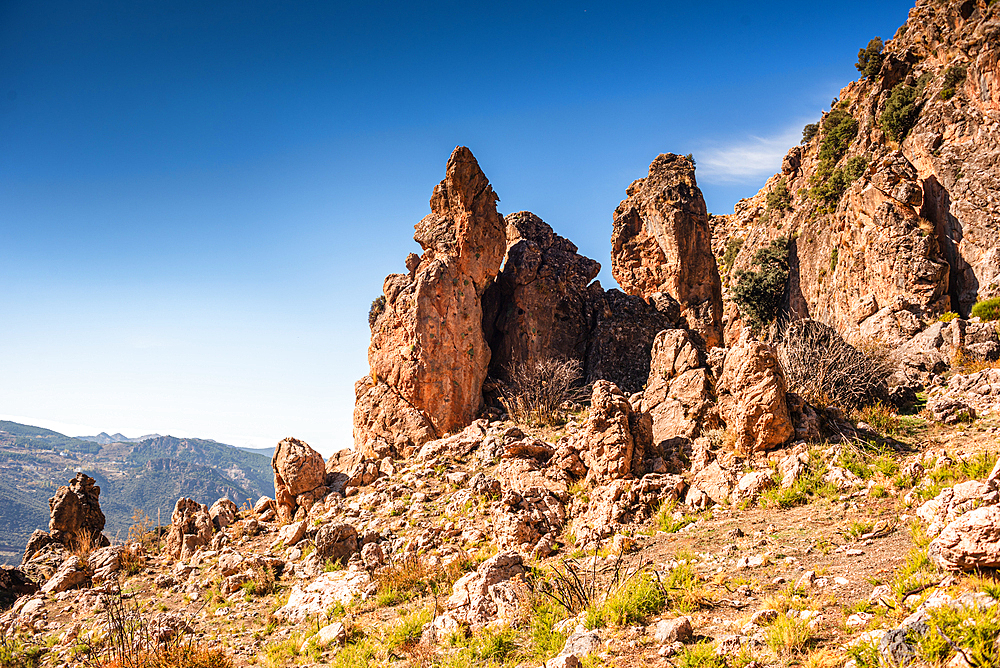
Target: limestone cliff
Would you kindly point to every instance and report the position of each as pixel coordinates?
(891, 203)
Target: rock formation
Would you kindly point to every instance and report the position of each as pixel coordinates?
(75, 513)
(190, 528)
(299, 477)
(752, 398)
(75, 518)
(539, 306)
(428, 355)
(615, 436)
(679, 391)
(662, 242)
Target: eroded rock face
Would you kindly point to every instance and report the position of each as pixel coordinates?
(679, 392)
(428, 349)
(298, 471)
(752, 397)
(970, 542)
(615, 436)
(190, 528)
(916, 234)
(75, 512)
(538, 307)
(662, 242)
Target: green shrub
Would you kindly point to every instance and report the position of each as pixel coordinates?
(779, 199)
(701, 655)
(733, 246)
(788, 634)
(758, 292)
(947, 317)
(900, 112)
(952, 78)
(974, 630)
(839, 130)
(830, 188)
(870, 58)
(628, 605)
(834, 254)
(809, 131)
(987, 310)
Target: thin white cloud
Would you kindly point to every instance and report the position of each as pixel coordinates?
(745, 160)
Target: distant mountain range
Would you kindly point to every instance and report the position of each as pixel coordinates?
(148, 473)
(107, 439)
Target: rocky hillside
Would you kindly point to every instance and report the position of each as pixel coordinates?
(149, 475)
(889, 206)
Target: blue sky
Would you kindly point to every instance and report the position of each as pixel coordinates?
(198, 201)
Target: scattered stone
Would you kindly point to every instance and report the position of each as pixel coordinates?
(670, 630)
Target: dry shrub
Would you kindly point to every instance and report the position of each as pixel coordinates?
(130, 642)
(966, 362)
(85, 543)
(261, 582)
(534, 392)
(826, 370)
(411, 576)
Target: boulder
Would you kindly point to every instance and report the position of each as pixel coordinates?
(622, 502)
(678, 394)
(75, 513)
(716, 482)
(492, 593)
(752, 397)
(298, 471)
(72, 573)
(336, 542)
(751, 485)
(104, 562)
(314, 598)
(428, 354)
(614, 437)
(223, 513)
(971, 542)
(673, 630)
(190, 528)
(14, 584)
(662, 242)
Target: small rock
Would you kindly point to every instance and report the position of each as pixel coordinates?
(670, 630)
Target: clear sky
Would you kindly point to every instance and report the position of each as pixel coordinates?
(199, 200)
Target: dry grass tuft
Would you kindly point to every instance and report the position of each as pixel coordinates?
(534, 393)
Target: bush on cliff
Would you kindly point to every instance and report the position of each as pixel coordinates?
(900, 112)
(870, 58)
(987, 310)
(758, 292)
(839, 130)
(952, 78)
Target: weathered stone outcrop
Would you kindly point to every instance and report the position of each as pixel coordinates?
(662, 242)
(190, 528)
(624, 328)
(14, 584)
(428, 351)
(679, 391)
(538, 308)
(752, 397)
(493, 592)
(970, 514)
(75, 513)
(615, 437)
(299, 477)
(75, 518)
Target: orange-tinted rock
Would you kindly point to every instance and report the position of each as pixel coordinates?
(678, 394)
(662, 242)
(190, 528)
(427, 345)
(752, 397)
(615, 438)
(298, 470)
